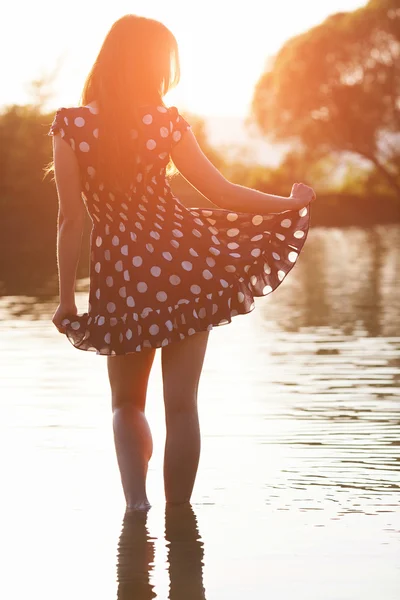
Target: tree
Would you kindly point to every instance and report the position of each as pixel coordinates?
(336, 88)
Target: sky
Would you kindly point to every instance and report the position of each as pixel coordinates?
(223, 45)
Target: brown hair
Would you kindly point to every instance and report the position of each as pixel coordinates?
(137, 64)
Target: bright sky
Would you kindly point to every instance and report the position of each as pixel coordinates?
(223, 44)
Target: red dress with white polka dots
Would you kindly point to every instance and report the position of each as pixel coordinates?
(159, 271)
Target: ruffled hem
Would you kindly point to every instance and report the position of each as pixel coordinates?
(132, 332)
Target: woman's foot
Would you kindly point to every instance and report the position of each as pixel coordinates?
(141, 506)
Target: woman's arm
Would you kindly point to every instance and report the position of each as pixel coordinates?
(70, 225)
(195, 167)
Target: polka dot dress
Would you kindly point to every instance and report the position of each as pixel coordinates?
(159, 271)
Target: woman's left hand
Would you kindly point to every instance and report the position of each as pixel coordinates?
(63, 312)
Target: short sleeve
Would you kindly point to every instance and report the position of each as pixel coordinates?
(59, 124)
(178, 126)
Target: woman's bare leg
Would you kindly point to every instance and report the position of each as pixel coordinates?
(133, 442)
(182, 363)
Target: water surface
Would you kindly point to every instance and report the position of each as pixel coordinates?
(298, 489)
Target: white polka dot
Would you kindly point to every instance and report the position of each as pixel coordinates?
(130, 301)
(115, 240)
(256, 252)
(97, 267)
(286, 223)
(122, 292)
(167, 255)
(111, 307)
(232, 216)
(246, 268)
(224, 283)
(139, 177)
(230, 268)
(210, 261)
(79, 122)
(233, 245)
(169, 325)
(267, 289)
(127, 277)
(150, 247)
(232, 232)
(161, 296)
(84, 147)
(256, 238)
(122, 227)
(215, 240)
(164, 132)
(147, 119)
(240, 296)
(257, 220)
(151, 144)
(138, 225)
(174, 279)
(193, 252)
(207, 274)
(154, 329)
(119, 266)
(253, 280)
(98, 294)
(91, 171)
(191, 331)
(187, 265)
(292, 256)
(281, 275)
(214, 309)
(163, 155)
(101, 321)
(234, 254)
(95, 133)
(280, 236)
(128, 334)
(99, 241)
(196, 232)
(214, 251)
(107, 338)
(303, 212)
(195, 289)
(177, 233)
(299, 234)
(141, 287)
(109, 281)
(176, 136)
(124, 250)
(267, 269)
(75, 325)
(155, 271)
(137, 261)
(276, 256)
(155, 235)
(161, 109)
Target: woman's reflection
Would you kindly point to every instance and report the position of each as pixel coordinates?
(135, 558)
(185, 554)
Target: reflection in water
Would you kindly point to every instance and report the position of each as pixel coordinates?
(135, 558)
(347, 279)
(136, 555)
(185, 554)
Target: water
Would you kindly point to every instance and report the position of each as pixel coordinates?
(298, 489)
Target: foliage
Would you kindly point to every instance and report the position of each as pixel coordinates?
(336, 88)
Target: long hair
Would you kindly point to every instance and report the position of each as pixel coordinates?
(137, 64)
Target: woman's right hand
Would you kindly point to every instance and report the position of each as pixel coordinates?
(302, 194)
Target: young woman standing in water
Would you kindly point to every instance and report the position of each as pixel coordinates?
(161, 275)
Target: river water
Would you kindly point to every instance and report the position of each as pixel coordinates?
(297, 494)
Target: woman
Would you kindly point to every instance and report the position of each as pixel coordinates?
(161, 275)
